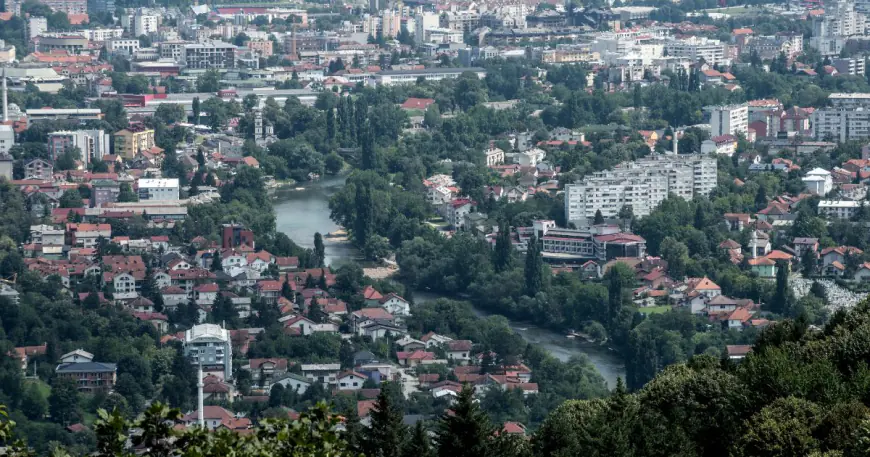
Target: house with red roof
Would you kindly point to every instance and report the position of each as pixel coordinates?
(412, 359)
(417, 103)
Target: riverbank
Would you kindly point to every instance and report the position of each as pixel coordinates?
(302, 213)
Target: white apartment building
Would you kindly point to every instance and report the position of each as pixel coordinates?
(209, 55)
(165, 189)
(839, 23)
(840, 209)
(93, 144)
(423, 22)
(848, 118)
(102, 34)
(729, 119)
(392, 77)
(127, 46)
(818, 181)
(210, 345)
(7, 138)
(641, 184)
(144, 24)
(36, 26)
(695, 48)
(172, 49)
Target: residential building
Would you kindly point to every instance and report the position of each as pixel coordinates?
(210, 345)
(266, 370)
(123, 46)
(351, 380)
(7, 139)
(261, 47)
(696, 48)
(66, 6)
(101, 6)
(210, 55)
(324, 373)
(835, 26)
(93, 144)
(853, 67)
(38, 169)
(144, 24)
(36, 25)
(641, 185)
(729, 119)
(393, 77)
(129, 142)
(88, 375)
(848, 118)
(104, 191)
(840, 209)
(7, 163)
(724, 145)
(166, 189)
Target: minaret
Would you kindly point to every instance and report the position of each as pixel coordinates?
(200, 412)
(675, 142)
(5, 98)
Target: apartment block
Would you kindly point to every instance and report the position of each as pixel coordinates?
(130, 142)
(695, 48)
(93, 144)
(848, 118)
(641, 185)
(210, 55)
(729, 119)
(210, 346)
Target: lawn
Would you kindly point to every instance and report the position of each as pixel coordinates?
(655, 309)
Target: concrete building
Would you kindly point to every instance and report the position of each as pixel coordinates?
(729, 119)
(839, 22)
(50, 114)
(66, 6)
(101, 6)
(93, 144)
(840, 209)
(104, 191)
(641, 185)
(158, 189)
(393, 77)
(848, 118)
(36, 26)
(130, 142)
(7, 138)
(6, 164)
(124, 46)
(210, 55)
(102, 34)
(143, 23)
(75, 44)
(818, 181)
(424, 22)
(261, 47)
(695, 48)
(211, 346)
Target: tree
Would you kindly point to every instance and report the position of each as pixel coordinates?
(432, 117)
(387, 433)
(761, 197)
(534, 268)
(782, 297)
(33, 403)
(170, 113)
(465, 431)
(71, 199)
(677, 256)
(196, 109)
(210, 81)
(126, 194)
(333, 163)
(319, 251)
(808, 263)
(418, 444)
(504, 249)
(216, 262)
(599, 218)
(223, 311)
(64, 401)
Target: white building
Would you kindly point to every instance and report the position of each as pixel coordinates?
(210, 55)
(36, 26)
(93, 144)
(848, 118)
(393, 77)
(696, 48)
(641, 184)
(158, 189)
(125, 46)
(102, 34)
(424, 22)
(833, 29)
(728, 119)
(840, 209)
(7, 138)
(210, 345)
(144, 24)
(818, 181)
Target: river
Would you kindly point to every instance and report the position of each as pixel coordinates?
(301, 213)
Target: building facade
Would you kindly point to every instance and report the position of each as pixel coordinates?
(210, 346)
(158, 189)
(210, 55)
(640, 185)
(128, 143)
(729, 119)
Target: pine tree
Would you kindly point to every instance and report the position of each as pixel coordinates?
(216, 262)
(387, 433)
(503, 253)
(196, 110)
(368, 153)
(781, 301)
(319, 251)
(464, 431)
(353, 431)
(599, 218)
(761, 198)
(808, 263)
(330, 123)
(418, 445)
(363, 220)
(534, 268)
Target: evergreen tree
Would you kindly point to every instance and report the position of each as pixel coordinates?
(287, 291)
(319, 251)
(534, 268)
(599, 218)
(808, 263)
(368, 154)
(216, 262)
(467, 431)
(761, 198)
(637, 97)
(418, 444)
(353, 432)
(196, 110)
(223, 311)
(364, 216)
(330, 123)
(781, 301)
(503, 253)
(387, 433)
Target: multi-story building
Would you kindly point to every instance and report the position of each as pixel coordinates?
(840, 209)
(7, 162)
(832, 29)
(7, 138)
(36, 26)
(93, 144)
(849, 66)
(640, 185)
(144, 24)
(696, 48)
(101, 6)
(729, 119)
(463, 21)
(125, 46)
(88, 375)
(66, 6)
(102, 34)
(848, 118)
(73, 44)
(210, 55)
(46, 234)
(158, 189)
(393, 77)
(50, 114)
(104, 191)
(210, 346)
(424, 22)
(261, 47)
(128, 143)
(172, 49)
(38, 169)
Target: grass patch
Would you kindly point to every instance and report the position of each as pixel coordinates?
(655, 309)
